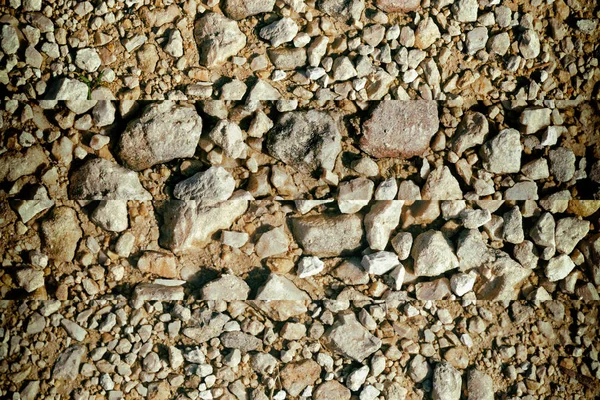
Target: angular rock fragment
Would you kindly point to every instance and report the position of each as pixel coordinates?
(380, 262)
(158, 263)
(28, 209)
(398, 6)
(240, 340)
(208, 187)
(502, 154)
(381, 220)
(305, 140)
(30, 279)
(559, 268)
(343, 9)
(227, 287)
(163, 132)
(441, 185)
(295, 377)
(111, 215)
(349, 338)
(447, 382)
(61, 234)
(272, 243)
(218, 38)
(471, 131)
(241, 9)
(400, 128)
(569, 232)
(15, 164)
(354, 195)
(433, 254)
(100, 179)
(281, 299)
(309, 266)
(479, 386)
(328, 236)
(228, 136)
(144, 292)
(67, 364)
(188, 224)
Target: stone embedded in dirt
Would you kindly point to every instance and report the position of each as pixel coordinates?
(471, 131)
(111, 215)
(309, 266)
(218, 38)
(74, 330)
(447, 382)
(227, 287)
(30, 279)
(349, 338)
(462, 283)
(473, 218)
(187, 224)
(305, 140)
(281, 299)
(61, 234)
(331, 390)
(67, 364)
(504, 279)
(209, 187)
(241, 341)
(158, 263)
(441, 185)
(479, 386)
(535, 119)
(28, 209)
(355, 194)
(234, 239)
(228, 136)
(163, 132)
(342, 9)
(279, 32)
(67, 89)
(418, 368)
(88, 60)
(559, 267)
(100, 179)
(398, 6)
(380, 262)
(381, 220)
(328, 236)
(272, 243)
(351, 272)
(297, 376)
(433, 254)
(399, 128)
(471, 250)
(241, 9)
(145, 292)
(15, 164)
(543, 234)
(502, 154)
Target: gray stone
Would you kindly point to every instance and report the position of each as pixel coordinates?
(381, 220)
(426, 34)
(145, 292)
(30, 279)
(280, 288)
(74, 330)
(441, 185)
(401, 6)
(447, 382)
(465, 10)
(103, 113)
(433, 254)
(535, 119)
(111, 215)
(471, 131)
(562, 164)
(208, 187)
(343, 9)
(476, 39)
(502, 154)
(473, 219)
(218, 38)
(240, 340)
(67, 364)
(279, 32)
(67, 89)
(479, 386)
(569, 232)
(402, 244)
(355, 194)
(418, 368)
(272, 243)
(513, 226)
(309, 266)
(174, 46)
(399, 128)
(328, 236)
(241, 9)
(287, 59)
(559, 268)
(307, 141)
(88, 60)
(10, 39)
(28, 209)
(522, 191)
(380, 262)
(471, 250)
(349, 338)
(228, 136)
(529, 44)
(164, 131)
(100, 179)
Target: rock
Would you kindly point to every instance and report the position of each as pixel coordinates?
(342, 9)
(33, 57)
(297, 376)
(465, 10)
(522, 191)
(502, 154)
(74, 330)
(583, 208)
(513, 226)
(280, 31)
(559, 268)
(349, 338)
(218, 38)
(30, 279)
(543, 232)
(280, 288)
(354, 195)
(328, 236)
(208, 187)
(316, 50)
(427, 33)
(526, 254)
(100, 179)
(502, 284)
(381, 220)
(263, 91)
(536, 169)
(174, 46)
(287, 59)
(309, 266)
(10, 39)
(103, 113)
(562, 164)
(28, 209)
(228, 136)
(241, 9)
(67, 89)
(145, 292)
(272, 243)
(61, 234)
(479, 386)
(307, 141)
(380, 262)
(499, 44)
(351, 272)
(263, 363)
(187, 224)
(447, 382)
(386, 190)
(462, 284)
(529, 44)
(433, 254)
(241, 341)
(476, 39)
(473, 219)
(471, 131)
(88, 60)
(402, 243)
(158, 263)
(569, 231)
(111, 215)
(418, 368)
(400, 128)
(227, 287)
(357, 378)
(67, 364)
(331, 390)
(234, 239)
(472, 251)
(164, 131)
(441, 185)
(535, 119)
(15, 164)
(398, 6)
(343, 69)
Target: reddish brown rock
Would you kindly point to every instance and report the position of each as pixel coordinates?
(400, 128)
(297, 376)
